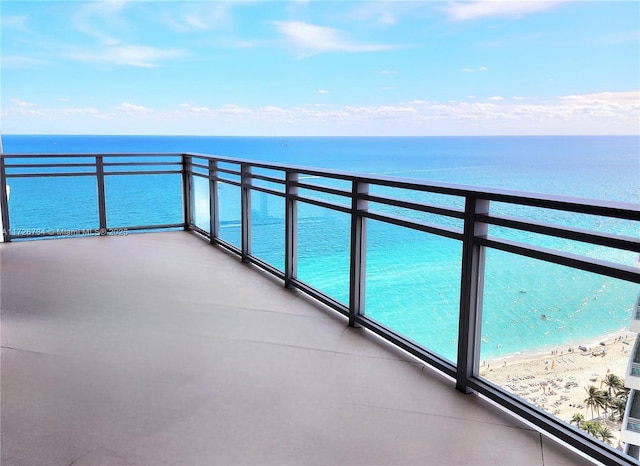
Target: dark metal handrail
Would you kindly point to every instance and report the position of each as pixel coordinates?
(472, 214)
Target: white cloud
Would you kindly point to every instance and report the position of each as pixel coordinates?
(201, 16)
(17, 61)
(22, 103)
(595, 113)
(131, 55)
(197, 110)
(322, 91)
(21, 109)
(15, 22)
(310, 39)
(94, 17)
(472, 70)
(387, 72)
(233, 110)
(467, 11)
(130, 108)
(193, 21)
(376, 12)
(92, 111)
(496, 98)
(203, 111)
(381, 111)
(387, 13)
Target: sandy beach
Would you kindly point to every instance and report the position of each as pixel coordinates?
(555, 381)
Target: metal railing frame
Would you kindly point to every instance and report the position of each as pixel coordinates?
(476, 219)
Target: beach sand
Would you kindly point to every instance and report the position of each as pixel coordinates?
(556, 380)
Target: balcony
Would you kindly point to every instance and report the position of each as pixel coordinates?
(632, 380)
(635, 316)
(122, 348)
(119, 350)
(630, 433)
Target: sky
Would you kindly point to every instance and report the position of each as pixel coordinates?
(325, 68)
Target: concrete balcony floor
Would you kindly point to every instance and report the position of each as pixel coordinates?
(158, 349)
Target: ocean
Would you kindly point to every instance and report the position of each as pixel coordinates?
(413, 278)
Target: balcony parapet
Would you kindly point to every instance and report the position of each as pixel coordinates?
(630, 432)
(635, 316)
(632, 376)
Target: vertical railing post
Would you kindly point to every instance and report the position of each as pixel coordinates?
(214, 212)
(187, 191)
(471, 288)
(357, 276)
(291, 229)
(245, 206)
(102, 199)
(4, 202)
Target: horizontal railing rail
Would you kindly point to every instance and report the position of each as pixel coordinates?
(459, 213)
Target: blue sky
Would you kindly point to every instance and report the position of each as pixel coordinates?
(320, 67)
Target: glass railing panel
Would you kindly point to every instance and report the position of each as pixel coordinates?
(324, 238)
(201, 213)
(557, 337)
(596, 223)
(633, 425)
(268, 228)
(343, 188)
(423, 197)
(200, 166)
(138, 163)
(634, 409)
(229, 214)
(592, 223)
(417, 215)
(325, 181)
(67, 165)
(233, 167)
(341, 200)
(413, 285)
(143, 200)
(580, 248)
(270, 172)
(272, 185)
(54, 205)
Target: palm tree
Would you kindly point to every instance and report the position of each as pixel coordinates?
(595, 398)
(618, 405)
(614, 384)
(604, 433)
(591, 427)
(578, 419)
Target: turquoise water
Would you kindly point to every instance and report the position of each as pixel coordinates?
(413, 278)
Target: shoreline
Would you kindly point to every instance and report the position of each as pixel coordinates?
(563, 348)
(556, 380)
